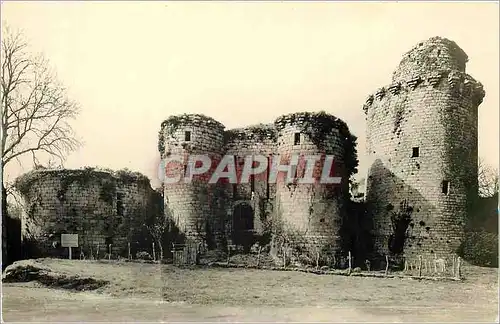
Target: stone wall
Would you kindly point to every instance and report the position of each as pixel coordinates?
(422, 146)
(244, 142)
(193, 205)
(101, 207)
(312, 214)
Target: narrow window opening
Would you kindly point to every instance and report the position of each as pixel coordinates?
(415, 152)
(296, 139)
(252, 183)
(185, 170)
(119, 204)
(445, 187)
(234, 191)
(187, 136)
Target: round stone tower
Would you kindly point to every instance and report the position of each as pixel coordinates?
(422, 146)
(312, 215)
(103, 207)
(192, 204)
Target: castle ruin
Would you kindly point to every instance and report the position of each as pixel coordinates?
(421, 143)
(311, 215)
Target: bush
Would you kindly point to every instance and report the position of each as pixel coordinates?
(480, 248)
(143, 255)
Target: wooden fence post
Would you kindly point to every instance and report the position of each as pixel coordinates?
(97, 253)
(317, 260)
(154, 254)
(386, 264)
(453, 260)
(129, 255)
(458, 267)
(109, 255)
(349, 260)
(420, 266)
(258, 256)
(284, 257)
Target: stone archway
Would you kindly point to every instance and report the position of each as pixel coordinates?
(243, 225)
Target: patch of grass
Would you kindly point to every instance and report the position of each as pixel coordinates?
(251, 287)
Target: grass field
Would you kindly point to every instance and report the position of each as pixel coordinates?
(151, 292)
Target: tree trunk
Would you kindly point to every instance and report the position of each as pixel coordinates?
(5, 244)
(11, 235)
(161, 250)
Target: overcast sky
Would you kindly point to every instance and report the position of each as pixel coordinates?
(132, 64)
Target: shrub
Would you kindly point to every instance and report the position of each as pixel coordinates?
(480, 248)
(143, 255)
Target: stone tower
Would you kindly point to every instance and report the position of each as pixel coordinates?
(191, 205)
(103, 207)
(422, 145)
(313, 214)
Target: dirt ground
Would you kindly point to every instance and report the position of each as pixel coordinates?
(150, 292)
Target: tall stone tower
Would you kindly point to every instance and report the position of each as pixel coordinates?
(313, 214)
(422, 145)
(191, 204)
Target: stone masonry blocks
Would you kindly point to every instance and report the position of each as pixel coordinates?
(98, 206)
(422, 146)
(315, 210)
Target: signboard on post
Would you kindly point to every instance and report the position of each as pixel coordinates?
(69, 241)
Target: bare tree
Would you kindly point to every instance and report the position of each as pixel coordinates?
(35, 106)
(487, 179)
(35, 112)
(157, 229)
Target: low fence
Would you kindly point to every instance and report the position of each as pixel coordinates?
(186, 254)
(444, 267)
(108, 252)
(182, 254)
(190, 253)
(432, 266)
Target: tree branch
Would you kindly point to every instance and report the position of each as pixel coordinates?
(35, 108)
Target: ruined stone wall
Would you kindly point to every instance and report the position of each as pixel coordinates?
(422, 146)
(312, 215)
(243, 142)
(194, 206)
(102, 208)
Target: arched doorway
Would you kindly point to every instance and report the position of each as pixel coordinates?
(243, 217)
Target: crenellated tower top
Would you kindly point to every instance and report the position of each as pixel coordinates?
(436, 62)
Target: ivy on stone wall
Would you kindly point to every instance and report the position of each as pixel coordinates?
(161, 142)
(318, 126)
(400, 220)
(258, 132)
(82, 177)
